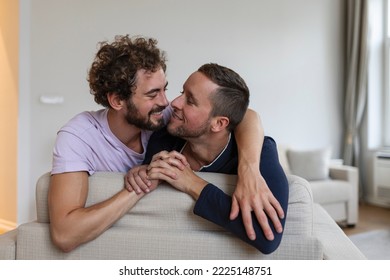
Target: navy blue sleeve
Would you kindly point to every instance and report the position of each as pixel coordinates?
(214, 205)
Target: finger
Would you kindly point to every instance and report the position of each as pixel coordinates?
(174, 158)
(181, 158)
(175, 162)
(247, 220)
(158, 163)
(140, 183)
(144, 176)
(156, 174)
(134, 185)
(264, 224)
(235, 208)
(278, 208)
(127, 184)
(160, 155)
(163, 167)
(167, 172)
(273, 216)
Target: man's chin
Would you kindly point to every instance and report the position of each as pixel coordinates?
(156, 125)
(173, 131)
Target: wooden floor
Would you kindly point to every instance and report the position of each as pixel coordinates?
(370, 218)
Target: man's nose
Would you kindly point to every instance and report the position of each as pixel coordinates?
(163, 100)
(177, 102)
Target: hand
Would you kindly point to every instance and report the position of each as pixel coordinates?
(252, 194)
(173, 158)
(137, 180)
(184, 180)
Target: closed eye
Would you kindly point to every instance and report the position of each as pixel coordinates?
(189, 98)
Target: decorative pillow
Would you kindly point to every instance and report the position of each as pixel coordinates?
(282, 153)
(311, 164)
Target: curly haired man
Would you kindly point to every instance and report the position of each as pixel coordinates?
(127, 78)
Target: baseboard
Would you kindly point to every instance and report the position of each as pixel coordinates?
(6, 225)
(377, 202)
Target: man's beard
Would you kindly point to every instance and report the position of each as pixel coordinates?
(185, 133)
(134, 117)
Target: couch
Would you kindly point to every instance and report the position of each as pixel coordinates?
(334, 186)
(162, 226)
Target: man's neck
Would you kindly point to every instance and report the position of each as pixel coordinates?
(128, 134)
(202, 152)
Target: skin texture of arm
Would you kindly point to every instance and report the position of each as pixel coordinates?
(71, 223)
(252, 192)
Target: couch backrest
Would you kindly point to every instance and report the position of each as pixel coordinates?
(169, 208)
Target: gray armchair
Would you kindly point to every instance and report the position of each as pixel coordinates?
(334, 186)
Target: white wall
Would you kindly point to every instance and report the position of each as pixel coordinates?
(289, 52)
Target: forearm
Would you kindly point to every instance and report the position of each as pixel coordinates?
(214, 205)
(249, 136)
(85, 224)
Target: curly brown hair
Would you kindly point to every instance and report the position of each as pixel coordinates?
(115, 66)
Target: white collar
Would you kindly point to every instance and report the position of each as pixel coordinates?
(219, 155)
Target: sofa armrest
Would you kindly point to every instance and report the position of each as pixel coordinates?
(8, 245)
(344, 172)
(336, 244)
(349, 174)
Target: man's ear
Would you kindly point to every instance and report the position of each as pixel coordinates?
(219, 123)
(115, 102)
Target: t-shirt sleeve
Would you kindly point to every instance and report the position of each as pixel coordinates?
(214, 205)
(71, 154)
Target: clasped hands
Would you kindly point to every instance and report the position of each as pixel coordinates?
(249, 196)
(171, 167)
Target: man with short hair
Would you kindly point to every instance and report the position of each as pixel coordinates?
(201, 133)
(127, 77)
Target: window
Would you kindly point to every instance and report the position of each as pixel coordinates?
(386, 97)
(379, 75)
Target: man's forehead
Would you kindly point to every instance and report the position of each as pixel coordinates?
(200, 81)
(149, 73)
(147, 77)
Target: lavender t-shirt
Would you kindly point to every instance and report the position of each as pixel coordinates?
(86, 143)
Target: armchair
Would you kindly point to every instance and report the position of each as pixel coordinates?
(334, 186)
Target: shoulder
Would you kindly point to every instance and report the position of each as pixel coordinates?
(85, 121)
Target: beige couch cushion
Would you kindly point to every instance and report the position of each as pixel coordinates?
(163, 226)
(168, 208)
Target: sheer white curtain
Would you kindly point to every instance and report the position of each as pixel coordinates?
(356, 78)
